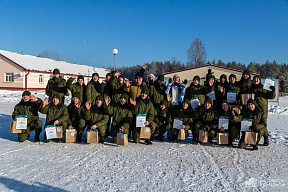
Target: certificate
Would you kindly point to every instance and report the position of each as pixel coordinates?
(246, 124)
(177, 123)
(231, 96)
(211, 95)
(21, 122)
(194, 102)
(223, 122)
(50, 131)
(140, 120)
(269, 81)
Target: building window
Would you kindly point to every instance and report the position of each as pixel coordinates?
(41, 79)
(9, 77)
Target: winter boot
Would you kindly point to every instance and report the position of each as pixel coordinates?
(195, 137)
(255, 148)
(173, 139)
(101, 139)
(160, 138)
(148, 142)
(266, 141)
(79, 138)
(209, 139)
(37, 139)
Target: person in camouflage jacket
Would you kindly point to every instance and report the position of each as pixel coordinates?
(29, 105)
(245, 82)
(79, 87)
(207, 118)
(117, 85)
(261, 97)
(142, 105)
(76, 112)
(134, 89)
(196, 90)
(162, 120)
(157, 91)
(93, 89)
(259, 122)
(183, 112)
(56, 85)
(234, 121)
(122, 115)
(56, 113)
(97, 117)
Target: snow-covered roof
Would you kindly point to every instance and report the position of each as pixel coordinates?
(34, 63)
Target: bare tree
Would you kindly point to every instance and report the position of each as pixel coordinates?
(196, 53)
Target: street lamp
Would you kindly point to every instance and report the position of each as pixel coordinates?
(115, 51)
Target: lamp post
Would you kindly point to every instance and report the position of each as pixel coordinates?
(115, 51)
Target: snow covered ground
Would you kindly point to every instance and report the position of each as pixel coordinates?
(183, 166)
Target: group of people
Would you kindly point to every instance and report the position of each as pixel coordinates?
(117, 102)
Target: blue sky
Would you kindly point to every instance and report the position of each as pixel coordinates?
(87, 31)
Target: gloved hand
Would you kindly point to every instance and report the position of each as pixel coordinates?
(170, 80)
(185, 81)
(253, 128)
(272, 88)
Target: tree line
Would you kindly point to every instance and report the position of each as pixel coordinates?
(268, 69)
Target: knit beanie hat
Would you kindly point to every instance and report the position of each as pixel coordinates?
(164, 102)
(196, 77)
(257, 76)
(232, 75)
(125, 96)
(56, 71)
(186, 101)
(252, 101)
(56, 96)
(160, 77)
(145, 90)
(122, 76)
(138, 75)
(210, 76)
(26, 93)
(77, 94)
(80, 77)
(99, 97)
(246, 72)
(223, 76)
(209, 100)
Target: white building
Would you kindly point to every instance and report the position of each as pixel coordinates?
(25, 72)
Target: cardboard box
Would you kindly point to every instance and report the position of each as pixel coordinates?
(71, 136)
(122, 139)
(59, 132)
(246, 97)
(223, 138)
(251, 137)
(145, 133)
(203, 136)
(92, 137)
(181, 134)
(13, 129)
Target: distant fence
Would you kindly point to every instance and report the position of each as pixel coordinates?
(283, 94)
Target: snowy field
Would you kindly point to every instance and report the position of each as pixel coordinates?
(183, 166)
